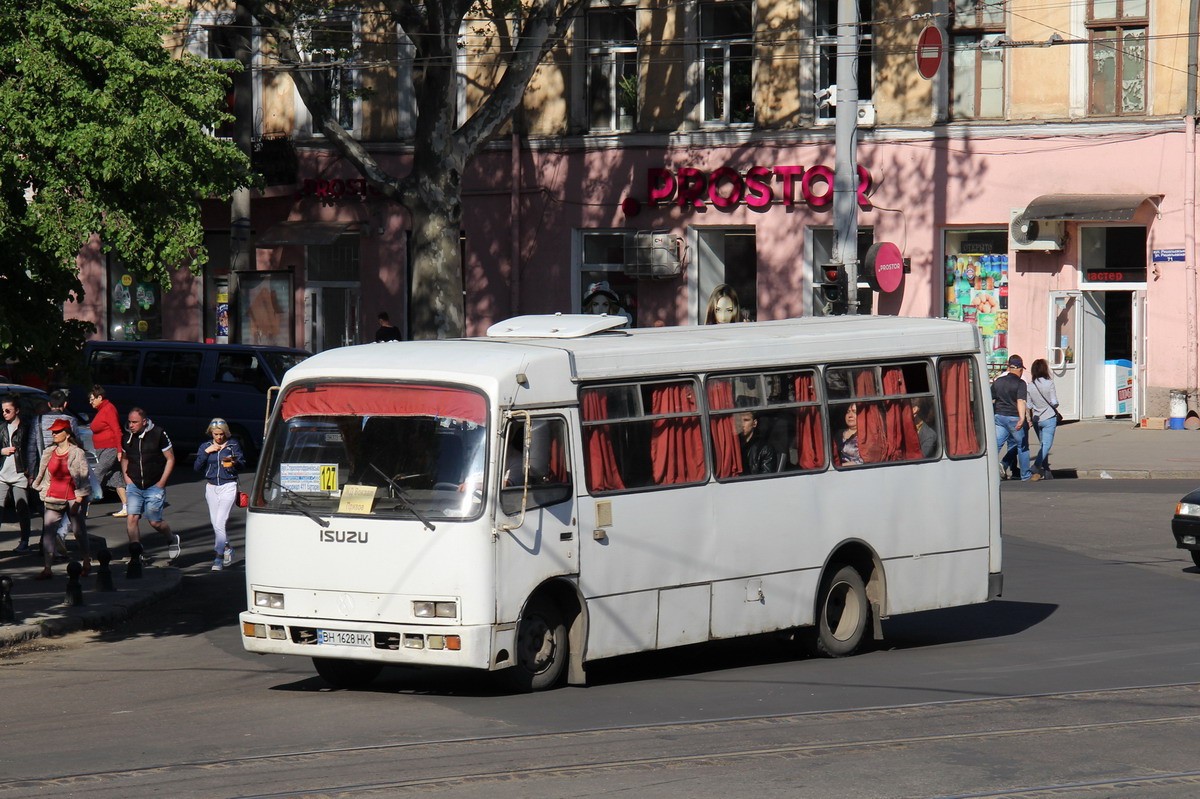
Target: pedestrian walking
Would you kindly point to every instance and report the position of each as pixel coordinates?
(64, 486)
(1043, 413)
(220, 463)
(147, 460)
(16, 462)
(1009, 399)
(56, 410)
(106, 440)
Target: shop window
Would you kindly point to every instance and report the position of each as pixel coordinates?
(1117, 56)
(134, 305)
(977, 60)
(825, 35)
(1112, 255)
(604, 264)
(612, 69)
(727, 42)
(976, 288)
(727, 257)
(822, 249)
(331, 49)
(334, 262)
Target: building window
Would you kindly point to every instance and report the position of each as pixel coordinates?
(331, 47)
(612, 69)
(727, 33)
(977, 82)
(134, 305)
(826, 39)
(727, 258)
(604, 263)
(1117, 56)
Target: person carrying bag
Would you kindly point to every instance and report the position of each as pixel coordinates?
(1043, 413)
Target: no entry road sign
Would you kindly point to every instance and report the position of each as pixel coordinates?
(930, 47)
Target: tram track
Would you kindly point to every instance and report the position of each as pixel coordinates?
(1037, 723)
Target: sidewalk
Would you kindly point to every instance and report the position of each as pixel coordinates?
(1096, 450)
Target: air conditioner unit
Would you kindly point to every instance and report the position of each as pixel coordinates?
(866, 115)
(653, 254)
(1034, 234)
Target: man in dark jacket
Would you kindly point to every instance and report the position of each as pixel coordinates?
(15, 466)
(758, 456)
(147, 459)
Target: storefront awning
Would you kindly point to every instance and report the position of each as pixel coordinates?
(1086, 207)
(303, 233)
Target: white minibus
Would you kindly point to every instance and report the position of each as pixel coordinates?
(560, 491)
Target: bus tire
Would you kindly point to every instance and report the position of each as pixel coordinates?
(542, 648)
(347, 673)
(842, 613)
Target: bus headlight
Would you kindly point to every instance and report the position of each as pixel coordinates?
(265, 599)
(427, 609)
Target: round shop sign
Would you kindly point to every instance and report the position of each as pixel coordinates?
(883, 268)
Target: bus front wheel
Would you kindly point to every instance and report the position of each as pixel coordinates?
(842, 614)
(542, 647)
(347, 673)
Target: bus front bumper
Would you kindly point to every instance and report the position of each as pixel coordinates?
(482, 646)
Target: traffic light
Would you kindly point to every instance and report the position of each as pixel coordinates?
(832, 288)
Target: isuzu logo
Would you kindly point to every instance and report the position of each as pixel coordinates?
(343, 536)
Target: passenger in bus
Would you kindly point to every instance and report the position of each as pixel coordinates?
(758, 456)
(848, 452)
(922, 410)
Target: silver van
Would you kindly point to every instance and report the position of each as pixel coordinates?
(184, 385)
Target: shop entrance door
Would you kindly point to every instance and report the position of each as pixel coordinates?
(1065, 335)
(330, 315)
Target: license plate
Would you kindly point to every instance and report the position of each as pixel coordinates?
(345, 638)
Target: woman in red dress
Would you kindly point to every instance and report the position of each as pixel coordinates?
(63, 485)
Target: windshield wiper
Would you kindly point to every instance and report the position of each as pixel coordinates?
(403, 497)
(299, 503)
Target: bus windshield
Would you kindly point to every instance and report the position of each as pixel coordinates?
(389, 450)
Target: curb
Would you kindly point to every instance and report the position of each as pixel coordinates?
(62, 619)
(1125, 474)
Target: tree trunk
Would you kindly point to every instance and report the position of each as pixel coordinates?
(436, 303)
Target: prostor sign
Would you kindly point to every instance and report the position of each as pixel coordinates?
(757, 187)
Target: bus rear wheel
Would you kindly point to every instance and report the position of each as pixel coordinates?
(842, 613)
(347, 673)
(542, 648)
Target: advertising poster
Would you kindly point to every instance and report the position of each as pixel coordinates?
(977, 292)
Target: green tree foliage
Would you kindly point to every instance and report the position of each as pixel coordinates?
(102, 132)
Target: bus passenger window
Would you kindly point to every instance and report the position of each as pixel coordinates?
(900, 426)
(960, 406)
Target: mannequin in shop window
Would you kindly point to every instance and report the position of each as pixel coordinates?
(601, 299)
(724, 307)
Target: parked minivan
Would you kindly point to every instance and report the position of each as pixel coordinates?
(184, 385)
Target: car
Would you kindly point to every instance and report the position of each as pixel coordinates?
(1185, 525)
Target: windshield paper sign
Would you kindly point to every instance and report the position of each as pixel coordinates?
(312, 477)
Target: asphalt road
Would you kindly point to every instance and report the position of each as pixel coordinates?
(1082, 679)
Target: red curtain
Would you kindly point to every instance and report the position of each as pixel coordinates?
(388, 399)
(602, 472)
(727, 450)
(872, 431)
(903, 443)
(676, 446)
(809, 444)
(961, 435)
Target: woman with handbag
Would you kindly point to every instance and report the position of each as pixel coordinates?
(1043, 413)
(219, 462)
(64, 487)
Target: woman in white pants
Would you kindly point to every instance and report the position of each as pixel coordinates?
(219, 462)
